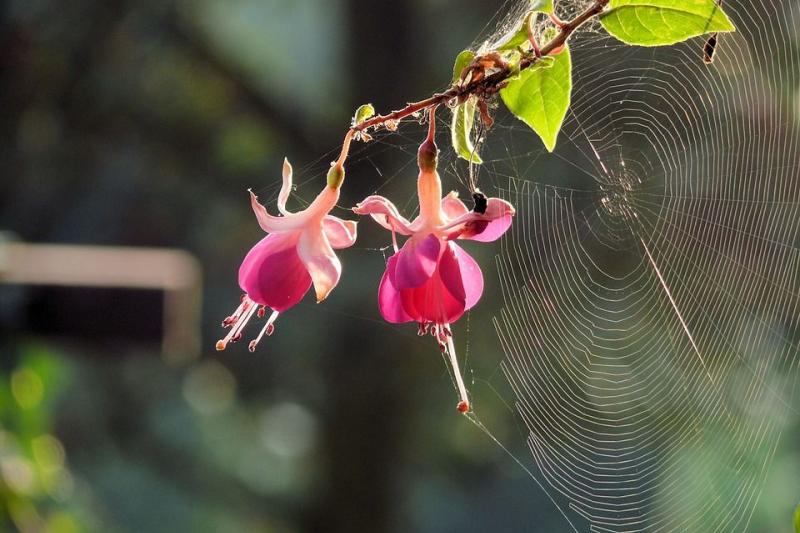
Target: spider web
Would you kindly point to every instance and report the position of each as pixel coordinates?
(650, 317)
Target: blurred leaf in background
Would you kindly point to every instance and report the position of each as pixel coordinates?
(39, 492)
(797, 520)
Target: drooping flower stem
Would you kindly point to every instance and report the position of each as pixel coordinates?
(428, 153)
(431, 138)
(336, 173)
(345, 148)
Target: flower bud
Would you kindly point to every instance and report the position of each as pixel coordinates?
(335, 176)
(427, 156)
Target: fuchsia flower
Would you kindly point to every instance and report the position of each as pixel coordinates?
(296, 253)
(431, 280)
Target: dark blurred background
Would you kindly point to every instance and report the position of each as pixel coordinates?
(142, 124)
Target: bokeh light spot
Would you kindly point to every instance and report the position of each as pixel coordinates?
(288, 430)
(27, 388)
(209, 388)
(18, 474)
(48, 452)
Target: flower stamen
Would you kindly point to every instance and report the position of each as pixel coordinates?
(229, 321)
(240, 318)
(423, 329)
(463, 405)
(267, 330)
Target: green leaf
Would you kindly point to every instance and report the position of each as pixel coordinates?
(364, 112)
(797, 520)
(540, 96)
(518, 36)
(460, 130)
(542, 6)
(663, 22)
(463, 59)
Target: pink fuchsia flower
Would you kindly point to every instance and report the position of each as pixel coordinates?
(431, 280)
(297, 252)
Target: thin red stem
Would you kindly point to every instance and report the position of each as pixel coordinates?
(345, 148)
(555, 20)
(432, 124)
(490, 82)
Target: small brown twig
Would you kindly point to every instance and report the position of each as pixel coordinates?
(489, 84)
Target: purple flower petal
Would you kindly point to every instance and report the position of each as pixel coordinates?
(272, 273)
(389, 300)
(416, 262)
(433, 301)
(449, 272)
(469, 273)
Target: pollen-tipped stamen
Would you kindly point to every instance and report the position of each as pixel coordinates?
(229, 321)
(248, 310)
(463, 405)
(267, 330)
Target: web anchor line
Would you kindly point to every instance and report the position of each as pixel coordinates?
(676, 309)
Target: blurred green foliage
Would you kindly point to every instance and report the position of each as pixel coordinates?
(37, 488)
(797, 519)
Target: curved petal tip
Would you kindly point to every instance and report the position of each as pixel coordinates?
(286, 186)
(340, 233)
(384, 212)
(320, 261)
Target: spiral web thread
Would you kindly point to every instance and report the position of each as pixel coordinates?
(650, 321)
